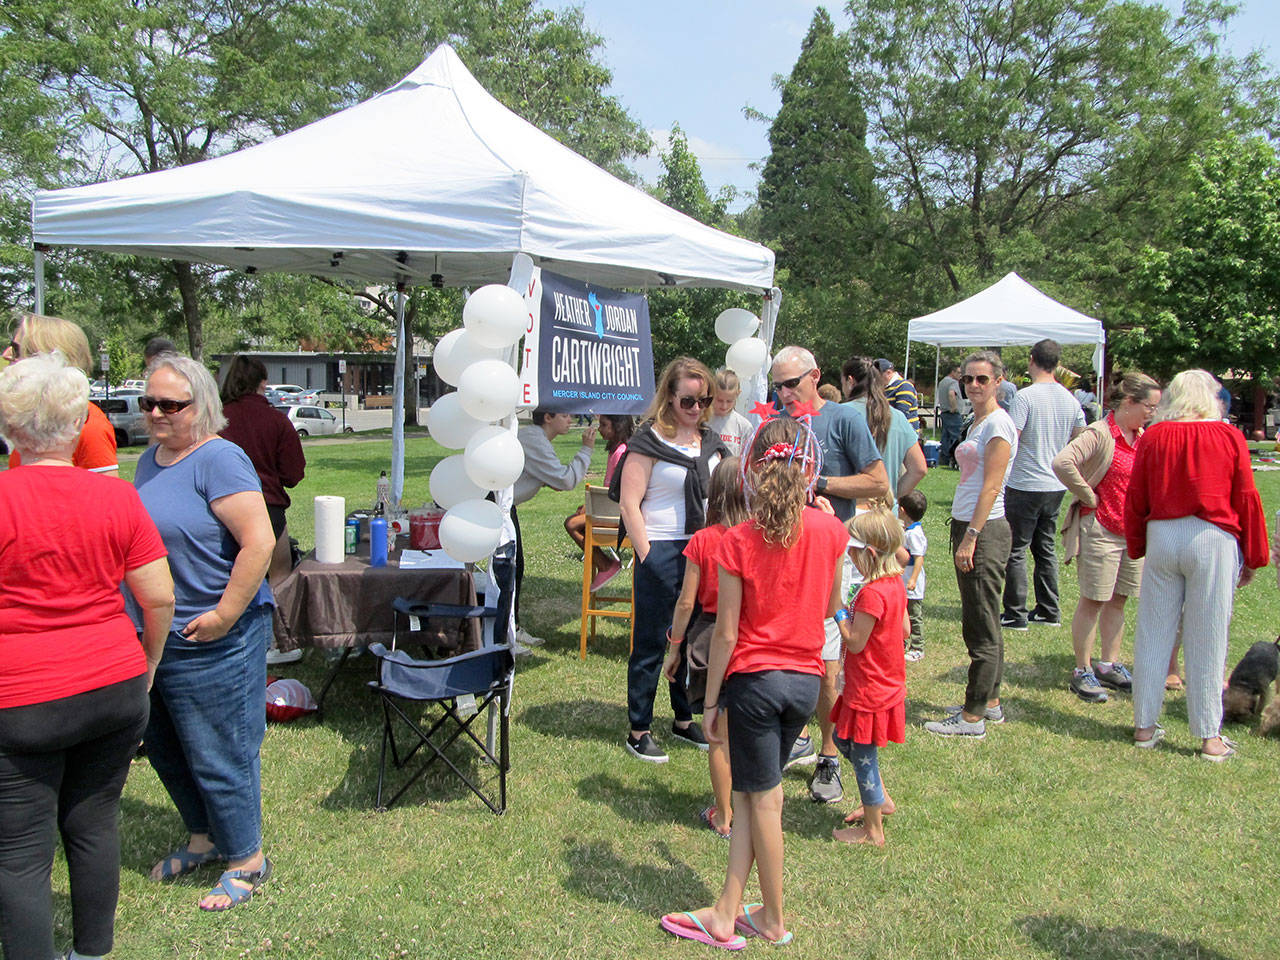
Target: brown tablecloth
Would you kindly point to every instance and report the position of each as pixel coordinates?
(343, 605)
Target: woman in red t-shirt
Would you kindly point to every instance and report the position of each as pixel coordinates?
(726, 507)
(778, 583)
(73, 688)
(871, 710)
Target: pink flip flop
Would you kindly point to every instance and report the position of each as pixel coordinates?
(691, 928)
(747, 927)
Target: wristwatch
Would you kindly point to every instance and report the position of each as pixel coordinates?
(821, 485)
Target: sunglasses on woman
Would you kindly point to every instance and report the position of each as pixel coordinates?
(688, 403)
(981, 379)
(167, 407)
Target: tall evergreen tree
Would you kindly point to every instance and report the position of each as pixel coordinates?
(819, 205)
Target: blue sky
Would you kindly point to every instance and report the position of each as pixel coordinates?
(699, 62)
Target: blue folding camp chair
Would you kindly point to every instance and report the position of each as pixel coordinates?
(482, 677)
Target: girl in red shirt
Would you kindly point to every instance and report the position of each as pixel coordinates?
(726, 507)
(871, 710)
(778, 584)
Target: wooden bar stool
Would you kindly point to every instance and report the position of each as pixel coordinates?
(603, 516)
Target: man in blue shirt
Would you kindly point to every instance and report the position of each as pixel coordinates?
(852, 469)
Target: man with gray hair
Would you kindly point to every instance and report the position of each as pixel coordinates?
(852, 469)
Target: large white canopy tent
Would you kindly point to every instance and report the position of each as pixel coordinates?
(432, 180)
(1006, 313)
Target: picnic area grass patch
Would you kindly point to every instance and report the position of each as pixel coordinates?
(1053, 838)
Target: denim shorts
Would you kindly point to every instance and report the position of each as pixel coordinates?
(767, 711)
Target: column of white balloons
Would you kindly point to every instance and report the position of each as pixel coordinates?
(746, 354)
(469, 358)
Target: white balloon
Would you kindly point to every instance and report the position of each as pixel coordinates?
(496, 316)
(456, 351)
(493, 458)
(450, 484)
(450, 425)
(489, 390)
(470, 531)
(735, 323)
(747, 356)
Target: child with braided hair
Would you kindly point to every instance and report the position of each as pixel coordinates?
(778, 583)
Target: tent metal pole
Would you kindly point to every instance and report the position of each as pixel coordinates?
(937, 375)
(397, 403)
(906, 363)
(39, 268)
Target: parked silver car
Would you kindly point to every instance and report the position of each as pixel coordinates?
(314, 421)
(126, 417)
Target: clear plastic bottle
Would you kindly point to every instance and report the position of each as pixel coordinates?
(382, 498)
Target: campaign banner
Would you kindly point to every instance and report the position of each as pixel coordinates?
(593, 350)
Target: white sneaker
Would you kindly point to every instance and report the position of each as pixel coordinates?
(276, 656)
(525, 638)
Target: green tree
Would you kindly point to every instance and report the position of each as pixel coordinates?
(820, 209)
(681, 320)
(1214, 294)
(1050, 137)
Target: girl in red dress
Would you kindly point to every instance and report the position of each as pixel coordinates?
(871, 710)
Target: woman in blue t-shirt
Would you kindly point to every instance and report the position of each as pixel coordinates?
(207, 719)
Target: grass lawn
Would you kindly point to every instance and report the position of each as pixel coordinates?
(1052, 838)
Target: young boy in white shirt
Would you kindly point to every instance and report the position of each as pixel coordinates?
(911, 509)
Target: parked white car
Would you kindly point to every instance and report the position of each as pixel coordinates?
(315, 421)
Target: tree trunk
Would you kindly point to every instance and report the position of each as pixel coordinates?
(190, 308)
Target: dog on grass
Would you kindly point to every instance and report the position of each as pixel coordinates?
(1248, 692)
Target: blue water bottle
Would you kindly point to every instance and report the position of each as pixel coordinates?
(377, 542)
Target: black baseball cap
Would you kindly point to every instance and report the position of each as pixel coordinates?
(884, 365)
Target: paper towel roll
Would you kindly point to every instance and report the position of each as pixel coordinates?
(331, 516)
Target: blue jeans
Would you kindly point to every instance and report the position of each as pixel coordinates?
(208, 718)
(951, 424)
(865, 759)
(657, 584)
(1033, 522)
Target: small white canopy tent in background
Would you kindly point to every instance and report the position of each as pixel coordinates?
(431, 181)
(1006, 313)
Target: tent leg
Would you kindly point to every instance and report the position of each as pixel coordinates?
(39, 268)
(757, 387)
(937, 374)
(397, 404)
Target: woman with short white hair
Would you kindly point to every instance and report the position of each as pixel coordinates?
(73, 688)
(1194, 512)
(207, 720)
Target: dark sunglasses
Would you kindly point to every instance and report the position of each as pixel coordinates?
(792, 383)
(167, 407)
(981, 379)
(687, 403)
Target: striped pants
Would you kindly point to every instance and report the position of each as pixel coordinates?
(1189, 581)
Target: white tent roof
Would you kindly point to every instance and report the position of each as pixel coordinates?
(432, 176)
(1011, 311)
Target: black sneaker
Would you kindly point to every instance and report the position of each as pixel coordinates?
(646, 749)
(802, 753)
(1085, 686)
(1013, 623)
(1043, 620)
(825, 786)
(1115, 676)
(691, 734)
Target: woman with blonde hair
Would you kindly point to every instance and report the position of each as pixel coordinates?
(1194, 513)
(778, 582)
(1096, 467)
(36, 334)
(662, 493)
